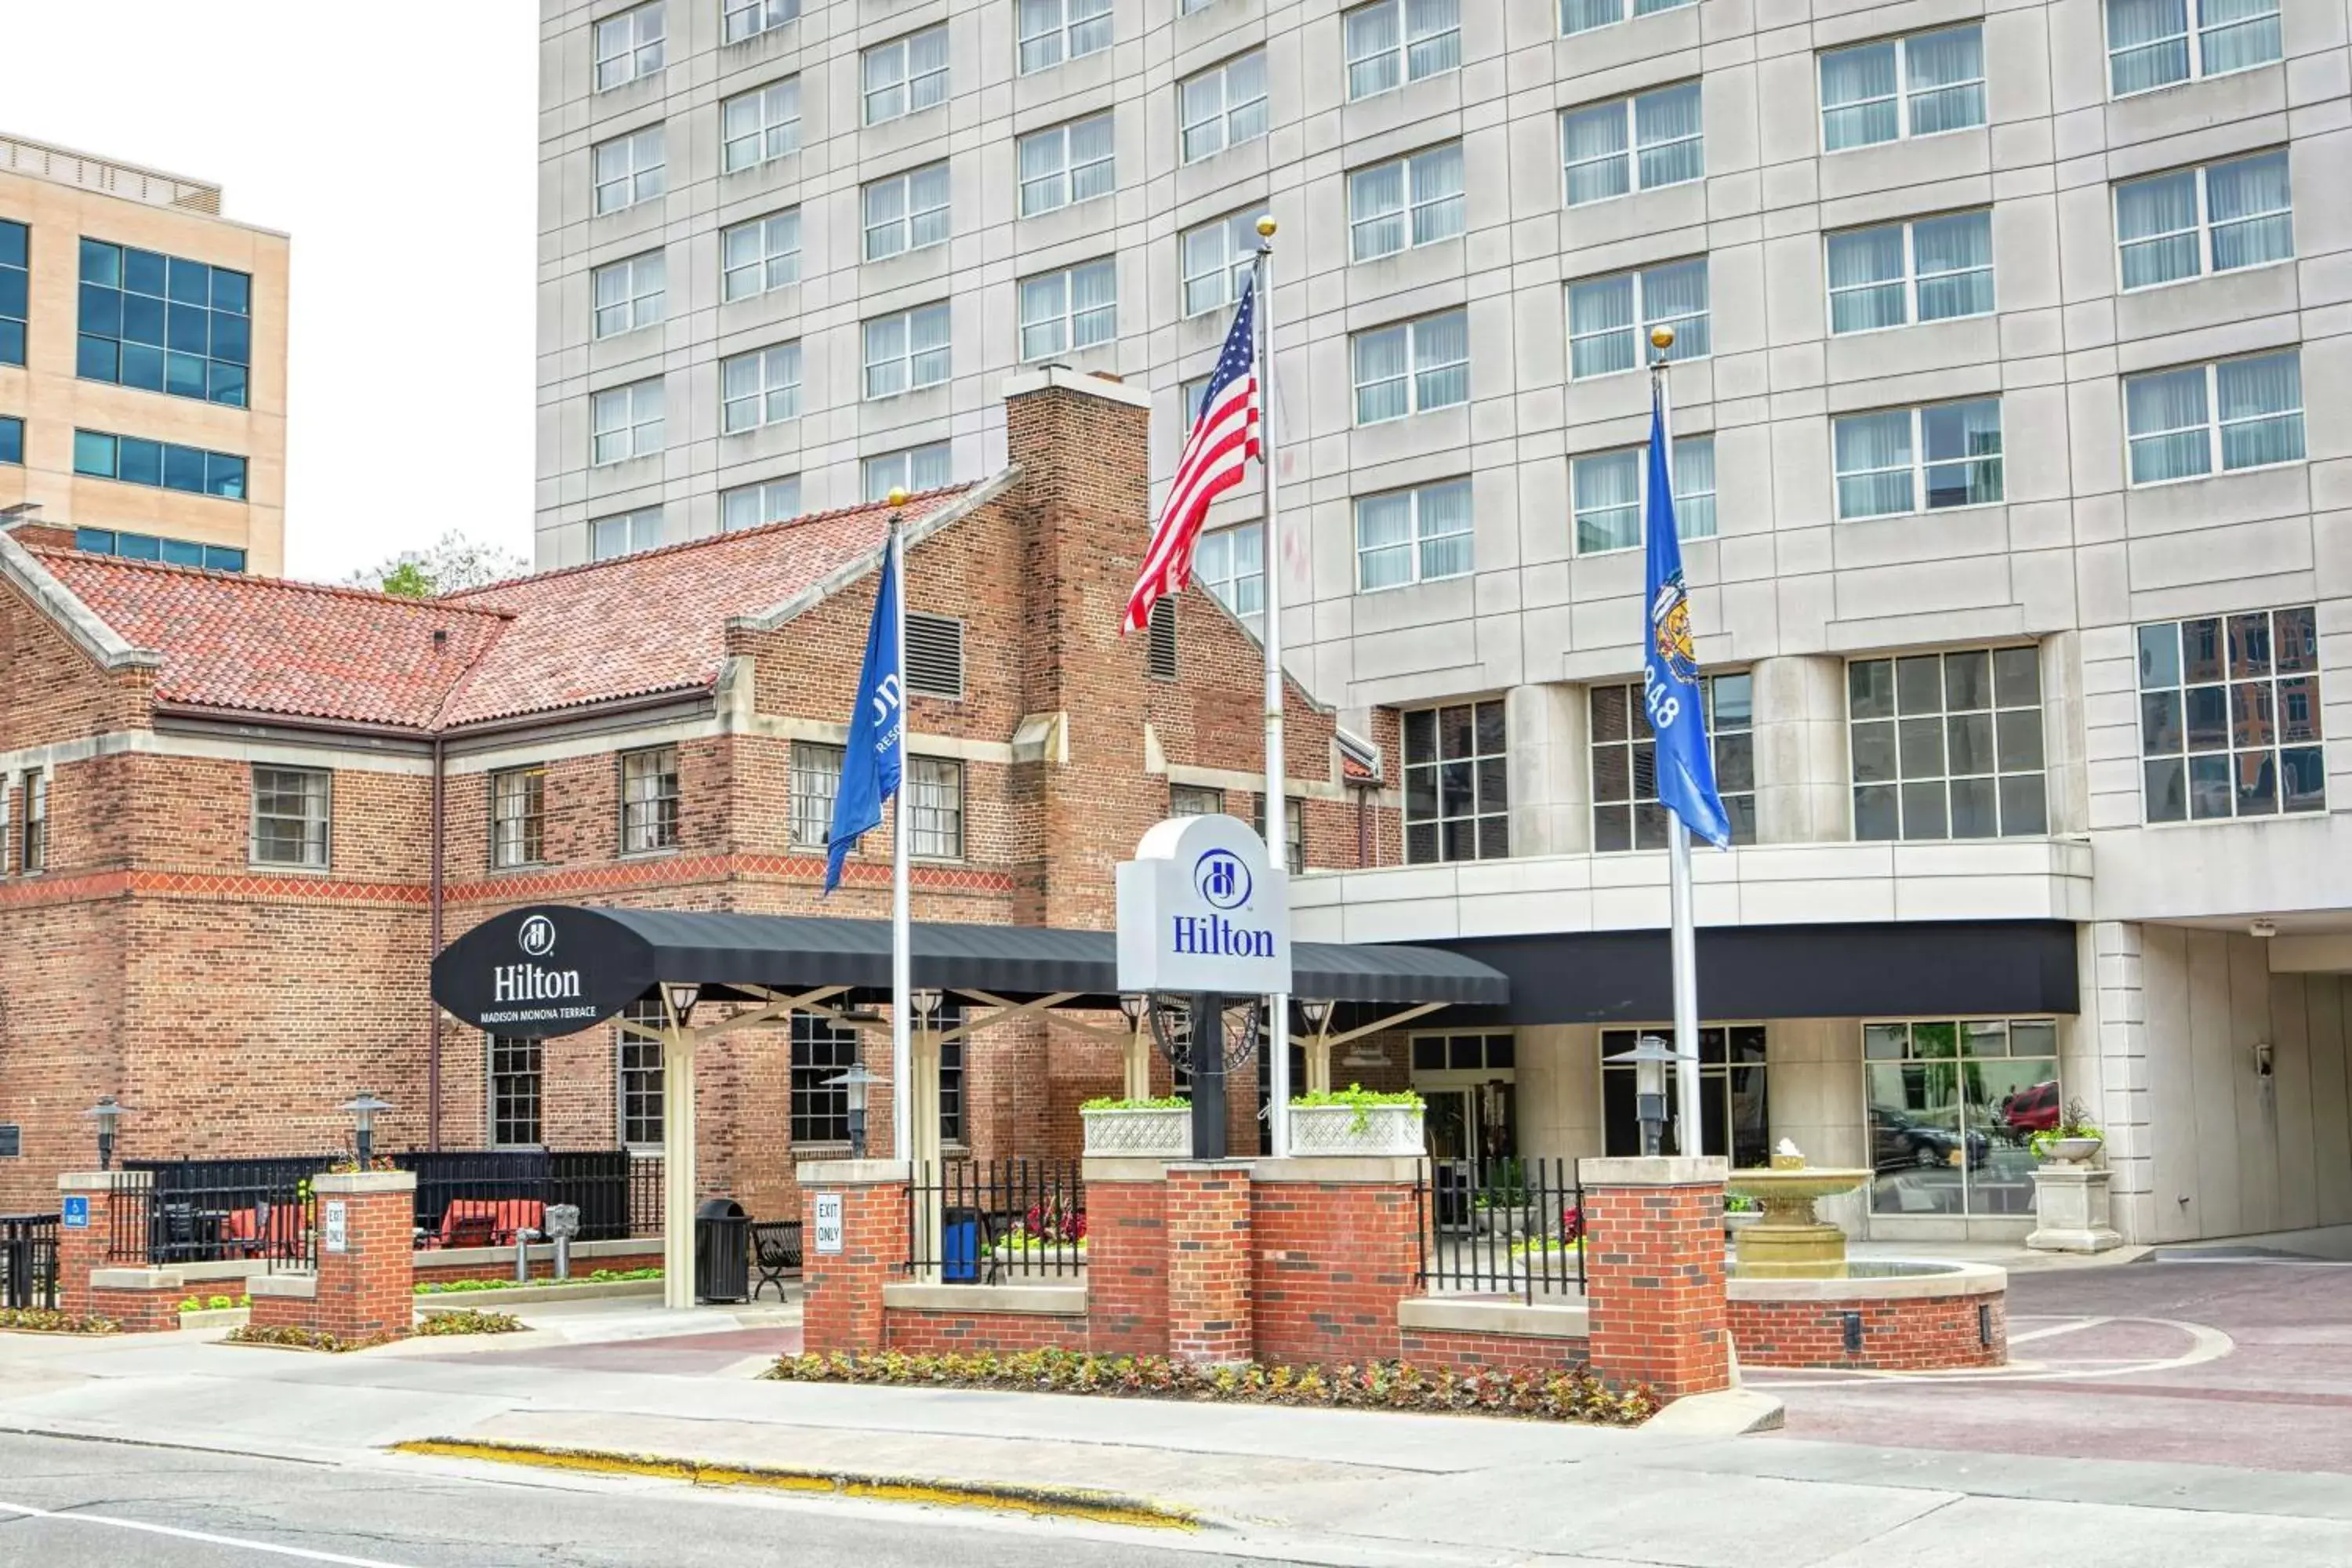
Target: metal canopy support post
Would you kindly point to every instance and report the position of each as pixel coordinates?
(1207, 1049)
(677, 1165)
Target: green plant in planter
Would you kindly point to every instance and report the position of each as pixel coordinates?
(221, 1303)
(1360, 1100)
(2075, 1123)
(1112, 1102)
(1741, 1203)
(191, 1305)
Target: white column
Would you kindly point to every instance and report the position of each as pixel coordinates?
(678, 1168)
(1550, 769)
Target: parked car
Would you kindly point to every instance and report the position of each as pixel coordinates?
(2033, 1108)
(1899, 1141)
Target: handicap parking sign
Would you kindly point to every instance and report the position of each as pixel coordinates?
(76, 1215)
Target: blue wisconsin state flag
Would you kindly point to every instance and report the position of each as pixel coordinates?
(1670, 688)
(874, 761)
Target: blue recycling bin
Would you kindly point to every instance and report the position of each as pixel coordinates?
(960, 1246)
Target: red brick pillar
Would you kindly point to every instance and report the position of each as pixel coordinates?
(1127, 1256)
(853, 1229)
(1209, 1265)
(366, 1247)
(116, 1204)
(1336, 1247)
(1653, 1273)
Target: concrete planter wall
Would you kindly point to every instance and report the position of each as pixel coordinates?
(1160, 1134)
(1390, 1130)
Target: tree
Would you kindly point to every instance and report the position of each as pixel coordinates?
(453, 563)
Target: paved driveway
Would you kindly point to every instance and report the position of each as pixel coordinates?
(2239, 1362)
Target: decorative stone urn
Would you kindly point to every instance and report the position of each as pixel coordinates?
(2070, 1205)
(1158, 1132)
(1385, 1130)
(2072, 1151)
(1789, 1241)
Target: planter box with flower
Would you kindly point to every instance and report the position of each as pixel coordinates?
(2071, 1204)
(1357, 1121)
(1139, 1129)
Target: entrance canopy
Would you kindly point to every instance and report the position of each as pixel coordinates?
(558, 969)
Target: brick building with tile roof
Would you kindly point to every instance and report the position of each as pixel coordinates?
(242, 812)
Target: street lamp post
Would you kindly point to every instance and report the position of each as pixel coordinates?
(363, 1107)
(855, 1082)
(108, 1114)
(1650, 1057)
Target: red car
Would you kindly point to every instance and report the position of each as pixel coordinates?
(2033, 1108)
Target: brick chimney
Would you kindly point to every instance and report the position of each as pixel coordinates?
(1083, 501)
(22, 522)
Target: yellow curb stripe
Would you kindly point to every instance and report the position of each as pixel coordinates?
(1057, 1502)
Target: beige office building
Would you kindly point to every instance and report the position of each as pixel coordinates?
(142, 361)
(2014, 391)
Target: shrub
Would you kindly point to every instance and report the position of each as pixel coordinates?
(1112, 1102)
(221, 1303)
(45, 1321)
(1360, 1100)
(601, 1276)
(1546, 1394)
(291, 1336)
(466, 1320)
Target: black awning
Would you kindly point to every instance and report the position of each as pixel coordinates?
(556, 969)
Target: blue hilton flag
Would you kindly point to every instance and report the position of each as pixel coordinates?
(1670, 688)
(874, 760)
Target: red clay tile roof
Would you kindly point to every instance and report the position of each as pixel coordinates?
(655, 621)
(635, 626)
(265, 645)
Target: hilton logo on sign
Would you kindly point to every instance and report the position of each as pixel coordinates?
(1199, 909)
(529, 982)
(529, 973)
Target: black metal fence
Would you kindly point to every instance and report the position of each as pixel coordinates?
(28, 1260)
(1502, 1228)
(984, 1222)
(482, 1197)
(211, 1211)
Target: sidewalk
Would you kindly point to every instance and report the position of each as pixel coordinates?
(1332, 1486)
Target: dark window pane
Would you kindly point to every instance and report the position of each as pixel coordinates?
(221, 558)
(1649, 826)
(1919, 684)
(143, 367)
(1613, 773)
(1494, 792)
(1453, 731)
(1870, 689)
(2303, 779)
(2159, 723)
(183, 552)
(13, 289)
(1732, 701)
(1923, 811)
(93, 454)
(140, 461)
(1490, 728)
(232, 338)
(2250, 645)
(95, 359)
(183, 470)
(2022, 806)
(232, 291)
(225, 384)
(1973, 812)
(1495, 838)
(1967, 680)
(1613, 829)
(1874, 753)
(139, 546)
(1420, 842)
(1874, 814)
(225, 476)
(1420, 793)
(2252, 724)
(2017, 677)
(1429, 1052)
(142, 320)
(1923, 748)
(2159, 655)
(101, 263)
(12, 440)
(2201, 649)
(2208, 718)
(12, 343)
(2168, 791)
(2020, 739)
(1420, 735)
(12, 244)
(96, 540)
(2298, 708)
(187, 329)
(2298, 641)
(1968, 741)
(1735, 761)
(1464, 1054)
(1741, 810)
(1645, 772)
(1461, 839)
(101, 310)
(1609, 712)
(190, 283)
(2257, 781)
(2208, 788)
(184, 375)
(1453, 790)
(142, 271)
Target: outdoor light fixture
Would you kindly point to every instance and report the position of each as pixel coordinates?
(109, 1116)
(854, 1083)
(1316, 1015)
(681, 996)
(859, 1013)
(924, 999)
(1650, 1057)
(363, 1107)
(1132, 1004)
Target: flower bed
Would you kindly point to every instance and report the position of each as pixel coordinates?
(1377, 1385)
(466, 1320)
(45, 1321)
(600, 1277)
(294, 1337)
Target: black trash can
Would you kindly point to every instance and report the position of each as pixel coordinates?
(723, 1251)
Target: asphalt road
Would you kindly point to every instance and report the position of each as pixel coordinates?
(72, 1504)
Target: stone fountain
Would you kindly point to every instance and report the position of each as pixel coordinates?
(1791, 1242)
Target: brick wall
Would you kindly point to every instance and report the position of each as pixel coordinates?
(1127, 1268)
(1654, 1274)
(1332, 1261)
(1919, 1334)
(1491, 1353)
(149, 1311)
(842, 1309)
(1210, 1310)
(368, 1287)
(919, 1331)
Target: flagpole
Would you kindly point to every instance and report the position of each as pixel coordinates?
(902, 1055)
(1684, 946)
(1276, 1064)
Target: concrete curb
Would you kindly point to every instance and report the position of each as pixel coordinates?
(1732, 1413)
(1054, 1502)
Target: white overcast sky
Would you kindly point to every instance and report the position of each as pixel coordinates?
(398, 147)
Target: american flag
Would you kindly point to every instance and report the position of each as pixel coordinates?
(1222, 439)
